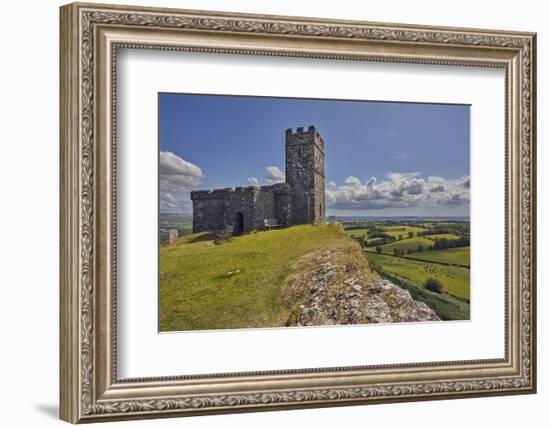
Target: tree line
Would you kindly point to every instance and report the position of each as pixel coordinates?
(444, 243)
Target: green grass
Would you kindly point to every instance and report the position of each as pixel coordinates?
(404, 245)
(442, 236)
(236, 284)
(455, 280)
(373, 240)
(360, 232)
(446, 306)
(452, 256)
(396, 230)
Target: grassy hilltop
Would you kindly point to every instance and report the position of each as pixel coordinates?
(238, 283)
(246, 281)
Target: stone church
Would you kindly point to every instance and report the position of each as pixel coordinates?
(299, 200)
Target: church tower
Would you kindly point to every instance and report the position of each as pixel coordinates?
(305, 173)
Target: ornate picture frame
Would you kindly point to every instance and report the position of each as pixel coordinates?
(90, 37)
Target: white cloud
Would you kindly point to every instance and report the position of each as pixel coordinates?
(274, 175)
(252, 180)
(434, 180)
(400, 177)
(371, 182)
(414, 186)
(175, 202)
(352, 181)
(452, 200)
(177, 174)
(177, 178)
(437, 188)
(398, 190)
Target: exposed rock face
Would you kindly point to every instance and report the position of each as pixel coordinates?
(332, 293)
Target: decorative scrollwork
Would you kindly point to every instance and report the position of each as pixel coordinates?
(91, 17)
(326, 395)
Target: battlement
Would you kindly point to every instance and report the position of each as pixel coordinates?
(221, 193)
(302, 136)
(218, 193)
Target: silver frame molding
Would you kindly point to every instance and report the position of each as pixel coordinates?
(90, 37)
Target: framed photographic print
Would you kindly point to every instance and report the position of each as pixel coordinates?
(266, 212)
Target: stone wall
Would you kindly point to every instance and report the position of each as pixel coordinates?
(263, 207)
(208, 208)
(283, 204)
(219, 209)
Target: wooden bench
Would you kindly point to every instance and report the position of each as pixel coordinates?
(271, 223)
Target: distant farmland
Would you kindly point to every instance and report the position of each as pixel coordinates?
(459, 256)
(405, 245)
(455, 280)
(396, 230)
(442, 236)
(405, 253)
(360, 232)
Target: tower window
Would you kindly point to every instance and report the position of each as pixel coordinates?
(300, 152)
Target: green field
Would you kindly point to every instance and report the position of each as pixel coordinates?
(404, 245)
(446, 306)
(237, 284)
(360, 232)
(442, 236)
(373, 240)
(452, 256)
(396, 230)
(455, 280)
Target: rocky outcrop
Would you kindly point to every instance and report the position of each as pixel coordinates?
(332, 290)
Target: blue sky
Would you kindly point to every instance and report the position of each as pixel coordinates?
(382, 158)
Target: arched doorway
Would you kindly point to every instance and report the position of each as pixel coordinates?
(238, 228)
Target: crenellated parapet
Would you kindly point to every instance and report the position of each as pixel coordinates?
(302, 136)
(221, 193)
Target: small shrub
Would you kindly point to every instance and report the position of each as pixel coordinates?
(378, 249)
(434, 285)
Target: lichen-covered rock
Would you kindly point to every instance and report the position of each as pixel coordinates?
(334, 293)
